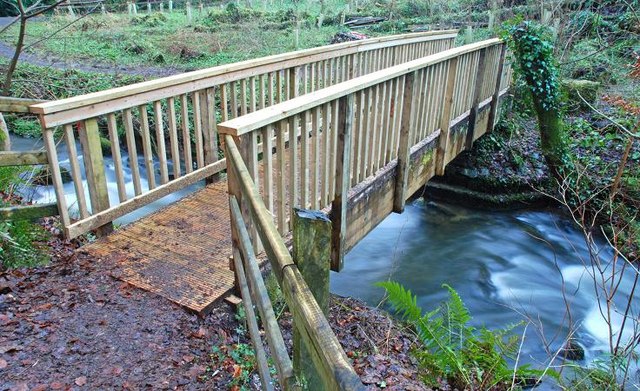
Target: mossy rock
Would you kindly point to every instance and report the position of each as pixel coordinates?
(577, 88)
(42, 176)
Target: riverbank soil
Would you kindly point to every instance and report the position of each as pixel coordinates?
(69, 325)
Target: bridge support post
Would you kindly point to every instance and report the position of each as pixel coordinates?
(445, 120)
(209, 127)
(311, 254)
(94, 168)
(473, 114)
(404, 149)
(495, 99)
(342, 181)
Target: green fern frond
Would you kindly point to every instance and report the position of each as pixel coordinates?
(402, 300)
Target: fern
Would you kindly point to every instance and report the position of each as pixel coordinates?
(452, 349)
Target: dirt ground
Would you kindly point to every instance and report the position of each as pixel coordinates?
(69, 325)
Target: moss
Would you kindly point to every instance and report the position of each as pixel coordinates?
(576, 90)
(105, 145)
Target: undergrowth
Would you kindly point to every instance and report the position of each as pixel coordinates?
(453, 350)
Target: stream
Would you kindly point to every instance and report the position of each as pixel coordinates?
(507, 266)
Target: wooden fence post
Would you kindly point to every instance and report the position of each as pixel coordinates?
(5, 141)
(189, 12)
(445, 120)
(148, 7)
(170, 6)
(473, 114)
(311, 254)
(161, 7)
(94, 168)
(495, 99)
(343, 162)
(56, 176)
(404, 148)
(135, 8)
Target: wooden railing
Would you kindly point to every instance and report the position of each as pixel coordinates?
(310, 152)
(333, 140)
(183, 111)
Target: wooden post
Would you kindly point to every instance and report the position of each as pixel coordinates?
(201, 8)
(189, 13)
(102, 10)
(170, 6)
(5, 141)
(445, 120)
(70, 9)
(343, 161)
(473, 114)
(148, 7)
(161, 7)
(468, 35)
(311, 254)
(495, 99)
(297, 35)
(404, 148)
(94, 168)
(56, 176)
(135, 8)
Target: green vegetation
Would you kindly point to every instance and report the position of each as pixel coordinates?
(451, 349)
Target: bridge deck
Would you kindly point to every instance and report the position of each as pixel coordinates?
(180, 252)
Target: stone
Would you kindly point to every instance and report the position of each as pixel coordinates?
(572, 351)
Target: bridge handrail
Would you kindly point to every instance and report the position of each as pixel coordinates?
(64, 111)
(174, 121)
(330, 141)
(326, 352)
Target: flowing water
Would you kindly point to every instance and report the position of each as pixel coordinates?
(44, 194)
(507, 267)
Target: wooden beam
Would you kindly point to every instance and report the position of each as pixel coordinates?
(17, 105)
(342, 181)
(445, 119)
(495, 100)
(28, 212)
(479, 82)
(26, 158)
(311, 253)
(404, 148)
(95, 173)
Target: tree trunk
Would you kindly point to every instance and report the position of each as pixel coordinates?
(551, 136)
(14, 61)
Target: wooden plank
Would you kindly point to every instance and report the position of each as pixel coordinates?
(408, 118)
(209, 130)
(146, 147)
(267, 158)
(252, 325)
(445, 119)
(28, 212)
(496, 94)
(339, 204)
(281, 177)
(17, 105)
(197, 129)
(117, 157)
(326, 155)
(186, 135)
(173, 137)
(315, 158)
(311, 254)
(132, 150)
(160, 144)
(76, 174)
(26, 158)
(477, 88)
(275, 340)
(95, 173)
(294, 165)
(304, 160)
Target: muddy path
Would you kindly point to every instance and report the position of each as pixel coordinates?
(7, 51)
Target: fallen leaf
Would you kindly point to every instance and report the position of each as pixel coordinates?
(3, 363)
(56, 385)
(81, 381)
(237, 371)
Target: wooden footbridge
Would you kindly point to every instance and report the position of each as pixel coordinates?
(351, 130)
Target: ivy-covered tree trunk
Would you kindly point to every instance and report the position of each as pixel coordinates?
(534, 55)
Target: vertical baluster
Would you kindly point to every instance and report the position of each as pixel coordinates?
(372, 128)
(210, 127)
(173, 137)
(312, 77)
(420, 91)
(224, 101)
(233, 95)
(161, 150)
(445, 119)
(279, 86)
(409, 96)
(146, 146)
(243, 97)
(262, 92)
(381, 115)
(76, 174)
(356, 138)
(326, 156)
(493, 111)
(386, 125)
(304, 159)
(186, 136)
(253, 104)
(364, 133)
(282, 175)
(293, 161)
(334, 147)
(397, 119)
(133, 151)
(117, 157)
(271, 100)
(315, 157)
(197, 128)
(267, 159)
(56, 176)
